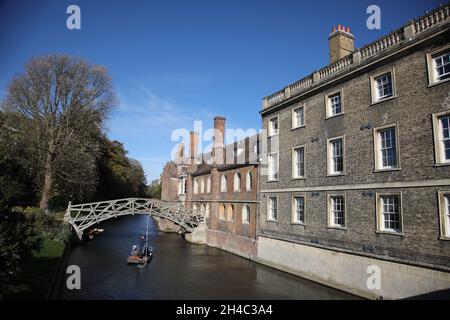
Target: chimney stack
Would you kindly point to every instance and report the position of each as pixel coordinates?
(219, 140)
(193, 146)
(341, 43)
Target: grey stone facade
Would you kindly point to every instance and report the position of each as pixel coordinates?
(417, 179)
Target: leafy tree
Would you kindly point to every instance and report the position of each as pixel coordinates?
(154, 189)
(57, 108)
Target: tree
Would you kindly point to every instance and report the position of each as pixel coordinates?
(57, 108)
(154, 189)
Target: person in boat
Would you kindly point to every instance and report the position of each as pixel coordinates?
(146, 252)
(135, 251)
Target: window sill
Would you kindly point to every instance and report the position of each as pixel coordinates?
(443, 164)
(299, 127)
(386, 170)
(299, 178)
(444, 238)
(272, 180)
(272, 220)
(392, 233)
(245, 223)
(337, 228)
(298, 224)
(436, 83)
(334, 116)
(336, 174)
(273, 135)
(383, 100)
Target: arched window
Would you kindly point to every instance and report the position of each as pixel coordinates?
(202, 186)
(248, 181)
(194, 207)
(207, 210)
(222, 212)
(230, 212)
(237, 182)
(195, 186)
(223, 183)
(203, 209)
(245, 214)
(208, 185)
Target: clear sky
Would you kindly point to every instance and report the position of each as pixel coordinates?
(174, 62)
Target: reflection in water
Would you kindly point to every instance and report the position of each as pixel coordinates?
(179, 270)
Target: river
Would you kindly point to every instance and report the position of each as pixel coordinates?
(178, 270)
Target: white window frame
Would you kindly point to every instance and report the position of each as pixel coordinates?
(439, 157)
(374, 89)
(380, 216)
(296, 125)
(223, 183)
(208, 185)
(330, 215)
(182, 186)
(269, 209)
(237, 179)
(328, 108)
(202, 185)
(294, 219)
(295, 174)
(378, 157)
(330, 162)
(245, 207)
(271, 177)
(195, 186)
(248, 181)
(270, 129)
(431, 65)
(444, 214)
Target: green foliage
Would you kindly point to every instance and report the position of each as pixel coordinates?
(154, 190)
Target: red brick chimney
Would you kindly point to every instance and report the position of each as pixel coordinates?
(218, 149)
(193, 146)
(341, 43)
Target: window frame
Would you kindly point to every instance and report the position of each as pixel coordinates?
(248, 214)
(374, 88)
(380, 220)
(377, 148)
(269, 209)
(248, 181)
(329, 157)
(294, 209)
(444, 222)
(432, 81)
(330, 214)
(237, 175)
(222, 212)
(270, 164)
(294, 176)
(328, 110)
(295, 125)
(208, 184)
(437, 129)
(223, 188)
(269, 127)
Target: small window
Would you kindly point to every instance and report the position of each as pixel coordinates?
(195, 186)
(223, 183)
(441, 66)
(386, 148)
(444, 208)
(334, 105)
(273, 166)
(222, 212)
(230, 212)
(248, 181)
(273, 126)
(203, 209)
(389, 213)
(194, 207)
(336, 211)
(298, 117)
(298, 163)
(441, 126)
(336, 156)
(208, 185)
(383, 86)
(182, 186)
(245, 214)
(272, 209)
(202, 186)
(298, 213)
(237, 182)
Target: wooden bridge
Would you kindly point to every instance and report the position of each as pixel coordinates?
(83, 216)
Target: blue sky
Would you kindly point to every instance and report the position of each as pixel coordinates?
(173, 62)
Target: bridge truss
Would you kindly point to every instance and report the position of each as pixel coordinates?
(83, 216)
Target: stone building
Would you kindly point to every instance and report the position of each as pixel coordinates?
(223, 184)
(358, 165)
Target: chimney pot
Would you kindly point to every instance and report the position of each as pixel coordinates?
(341, 43)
